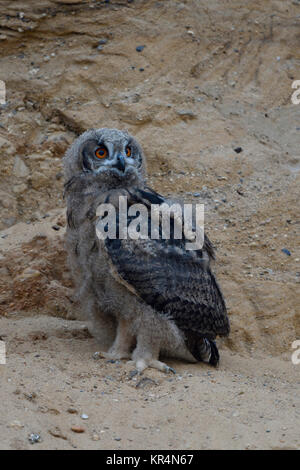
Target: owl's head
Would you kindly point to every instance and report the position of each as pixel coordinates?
(112, 157)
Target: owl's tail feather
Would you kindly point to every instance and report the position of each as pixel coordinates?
(203, 349)
(208, 351)
(214, 353)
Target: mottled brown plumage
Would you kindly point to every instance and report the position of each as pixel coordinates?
(161, 297)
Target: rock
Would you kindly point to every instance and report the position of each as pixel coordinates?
(9, 221)
(34, 438)
(72, 411)
(16, 424)
(39, 180)
(77, 429)
(19, 188)
(28, 273)
(6, 146)
(7, 201)
(186, 115)
(97, 355)
(36, 157)
(20, 169)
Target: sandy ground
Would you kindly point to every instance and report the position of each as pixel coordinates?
(209, 98)
(51, 380)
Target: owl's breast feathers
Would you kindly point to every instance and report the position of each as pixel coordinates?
(174, 281)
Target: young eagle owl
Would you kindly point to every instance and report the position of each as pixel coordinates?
(163, 298)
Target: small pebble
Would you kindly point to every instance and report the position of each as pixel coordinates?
(77, 429)
(72, 411)
(34, 438)
(84, 416)
(16, 424)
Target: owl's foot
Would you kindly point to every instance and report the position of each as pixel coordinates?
(112, 355)
(122, 345)
(142, 364)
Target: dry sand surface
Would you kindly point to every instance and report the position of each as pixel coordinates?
(209, 98)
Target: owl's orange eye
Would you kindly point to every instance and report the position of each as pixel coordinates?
(101, 152)
(128, 151)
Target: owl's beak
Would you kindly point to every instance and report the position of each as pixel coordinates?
(120, 165)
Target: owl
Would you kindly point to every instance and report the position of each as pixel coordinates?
(162, 299)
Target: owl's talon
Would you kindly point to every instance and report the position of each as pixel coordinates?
(170, 369)
(98, 355)
(133, 373)
(110, 356)
(142, 364)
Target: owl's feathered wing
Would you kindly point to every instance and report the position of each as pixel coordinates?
(174, 281)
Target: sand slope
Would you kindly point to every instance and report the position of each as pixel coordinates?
(209, 98)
